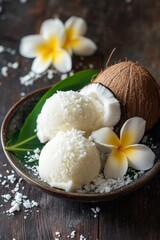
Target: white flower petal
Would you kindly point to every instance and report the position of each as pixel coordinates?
(77, 25)
(53, 28)
(132, 131)
(28, 45)
(62, 61)
(116, 165)
(83, 46)
(139, 156)
(40, 64)
(106, 137)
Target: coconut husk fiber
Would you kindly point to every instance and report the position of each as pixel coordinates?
(135, 88)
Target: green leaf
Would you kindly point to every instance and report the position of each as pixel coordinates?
(27, 139)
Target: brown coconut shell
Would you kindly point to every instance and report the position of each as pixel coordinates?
(136, 89)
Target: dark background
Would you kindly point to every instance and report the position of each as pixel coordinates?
(133, 27)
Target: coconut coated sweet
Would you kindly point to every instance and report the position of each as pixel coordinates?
(66, 110)
(69, 161)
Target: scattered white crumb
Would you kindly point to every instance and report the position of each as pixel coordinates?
(58, 235)
(30, 78)
(2, 49)
(3, 183)
(11, 178)
(82, 237)
(6, 197)
(4, 71)
(14, 193)
(71, 73)
(8, 50)
(32, 157)
(72, 234)
(22, 94)
(14, 65)
(96, 211)
(103, 185)
(64, 76)
(91, 65)
(50, 73)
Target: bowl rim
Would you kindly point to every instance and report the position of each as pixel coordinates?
(75, 196)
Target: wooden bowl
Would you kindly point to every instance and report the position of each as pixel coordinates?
(14, 121)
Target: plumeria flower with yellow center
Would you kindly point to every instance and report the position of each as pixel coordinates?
(47, 47)
(125, 151)
(75, 41)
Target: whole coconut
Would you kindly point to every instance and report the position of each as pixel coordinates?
(135, 88)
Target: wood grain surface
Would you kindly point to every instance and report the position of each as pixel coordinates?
(133, 28)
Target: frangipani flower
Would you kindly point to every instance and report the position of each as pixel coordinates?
(55, 43)
(125, 151)
(46, 47)
(76, 27)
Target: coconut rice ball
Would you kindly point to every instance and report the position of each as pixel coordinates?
(66, 110)
(69, 161)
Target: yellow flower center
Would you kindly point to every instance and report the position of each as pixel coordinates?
(71, 37)
(48, 49)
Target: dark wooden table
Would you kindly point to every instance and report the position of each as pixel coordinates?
(133, 27)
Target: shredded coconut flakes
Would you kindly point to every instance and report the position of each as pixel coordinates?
(14, 194)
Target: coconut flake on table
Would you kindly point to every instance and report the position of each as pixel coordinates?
(58, 236)
(71, 73)
(72, 234)
(96, 211)
(30, 78)
(14, 65)
(22, 94)
(91, 65)
(2, 49)
(50, 73)
(82, 237)
(64, 76)
(4, 71)
(6, 49)
(13, 194)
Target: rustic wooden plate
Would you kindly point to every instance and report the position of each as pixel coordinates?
(14, 121)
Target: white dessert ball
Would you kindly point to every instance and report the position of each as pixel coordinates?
(66, 110)
(69, 161)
